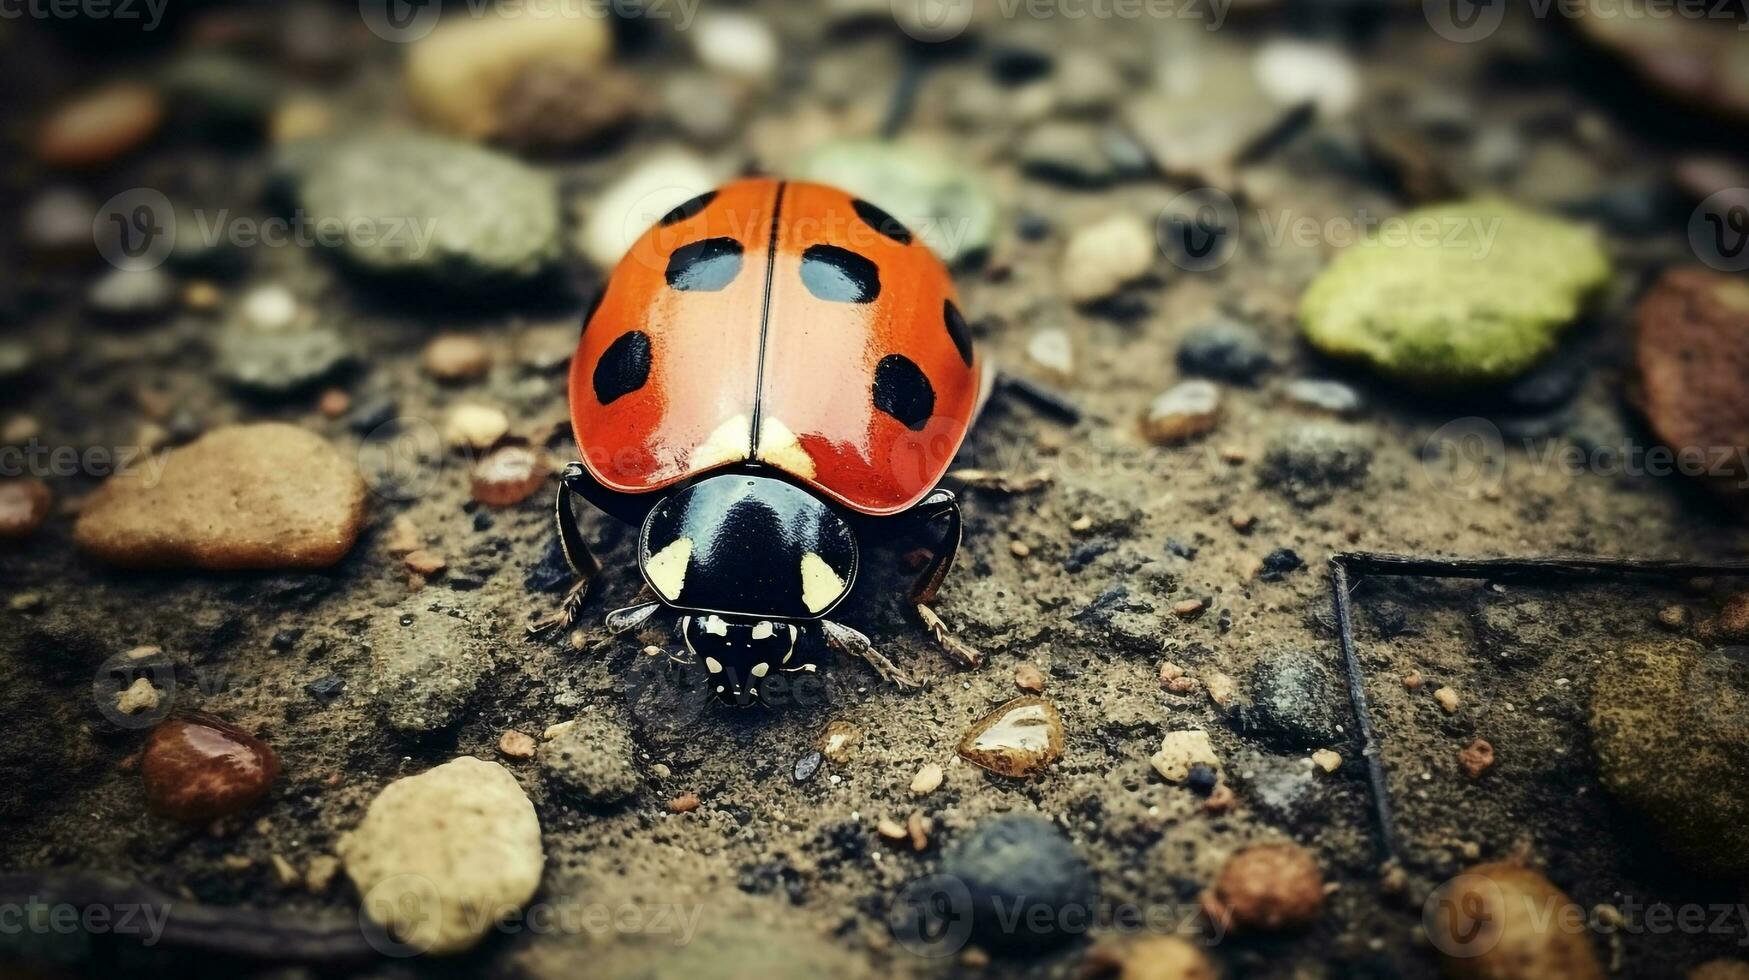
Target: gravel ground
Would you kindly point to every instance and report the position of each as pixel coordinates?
(1077, 576)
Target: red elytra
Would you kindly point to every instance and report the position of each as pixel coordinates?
(785, 323)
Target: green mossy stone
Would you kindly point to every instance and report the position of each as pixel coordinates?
(1670, 730)
(1467, 293)
(432, 211)
(948, 205)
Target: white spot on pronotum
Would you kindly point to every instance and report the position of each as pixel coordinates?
(713, 665)
(763, 630)
(760, 670)
(780, 447)
(821, 586)
(666, 569)
(714, 625)
(730, 442)
(719, 688)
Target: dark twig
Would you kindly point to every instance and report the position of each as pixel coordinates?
(1550, 569)
(904, 98)
(1038, 396)
(259, 934)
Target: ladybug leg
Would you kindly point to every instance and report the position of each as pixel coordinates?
(848, 641)
(577, 555)
(940, 505)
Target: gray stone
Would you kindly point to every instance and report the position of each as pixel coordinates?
(425, 665)
(1296, 703)
(1067, 153)
(1330, 397)
(436, 212)
(1024, 878)
(132, 293)
(1308, 463)
(278, 363)
(1224, 349)
(591, 758)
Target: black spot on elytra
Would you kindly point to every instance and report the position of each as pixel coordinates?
(704, 266)
(689, 208)
(958, 331)
(623, 368)
(901, 390)
(882, 222)
(839, 275)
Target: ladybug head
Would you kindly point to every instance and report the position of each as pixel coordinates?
(750, 559)
(738, 654)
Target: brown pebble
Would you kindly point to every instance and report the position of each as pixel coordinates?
(516, 745)
(334, 403)
(1733, 621)
(25, 503)
(1243, 523)
(1029, 678)
(1189, 609)
(100, 126)
(1222, 688)
(1234, 455)
(1413, 681)
(890, 829)
(508, 476)
(1476, 758)
(425, 563)
(199, 769)
(1220, 800)
(1448, 699)
(202, 296)
(1150, 958)
(1018, 739)
(1694, 369)
(1019, 549)
(684, 803)
(456, 357)
(1673, 617)
(918, 826)
(974, 958)
(1502, 920)
(839, 741)
(1266, 888)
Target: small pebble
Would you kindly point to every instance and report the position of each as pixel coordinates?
(839, 741)
(807, 766)
(891, 829)
(1329, 397)
(1448, 699)
(334, 403)
(736, 43)
(99, 126)
(132, 294)
(1025, 879)
(1182, 412)
(1051, 350)
(1102, 257)
(1327, 760)
(1673, 617)
(199, 769)
(1029, 678)
(140, 696)
(1181, 750)
(516, 745)
(1222, 688)
(25, 503)
(927, 780)
(457, 357)
(1189, 609)
(1220, 800)
(684, 803)
(1225, 350)
(509, 475)
(271, 308)
(475, 426)
(1476, 758)
(1018, 739)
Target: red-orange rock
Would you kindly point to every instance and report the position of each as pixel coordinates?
(99, 126)
(24, 504)
(1694, 371)
(198, 769)
(1266, 888)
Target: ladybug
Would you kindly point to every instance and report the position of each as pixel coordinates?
(776, 373)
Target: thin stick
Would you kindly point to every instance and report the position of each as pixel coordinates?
(1553, 567)
(1369, 746)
